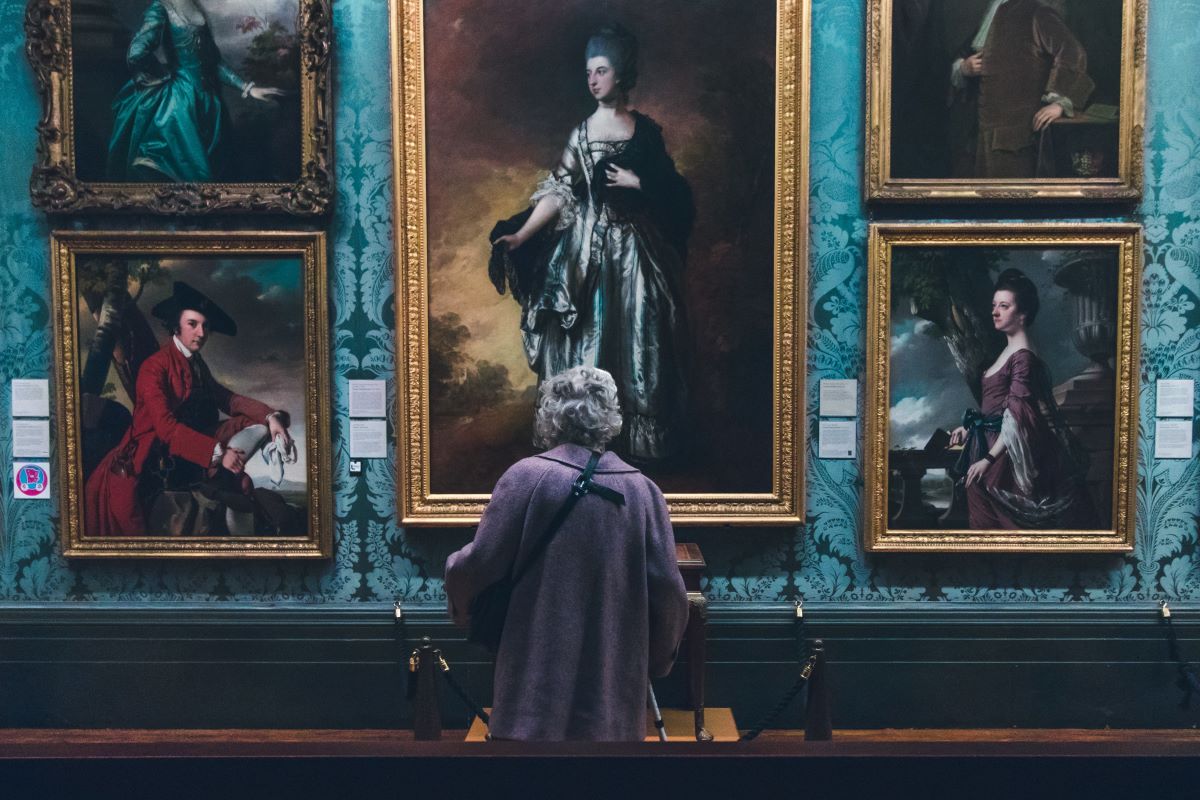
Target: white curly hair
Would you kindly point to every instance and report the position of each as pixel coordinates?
(577, 405)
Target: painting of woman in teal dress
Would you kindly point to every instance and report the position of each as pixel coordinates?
(170, 123)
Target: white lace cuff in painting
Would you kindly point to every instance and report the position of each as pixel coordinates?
(559, 189)
(1017, 446)
(957, 79)
(1054, 97)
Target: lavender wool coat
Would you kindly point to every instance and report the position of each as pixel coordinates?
(601, 611)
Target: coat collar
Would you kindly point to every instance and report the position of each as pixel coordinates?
(182, 350)
(574, 455)
(179, 363)
(172, 350)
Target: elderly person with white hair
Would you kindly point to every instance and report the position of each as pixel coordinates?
(600, 610)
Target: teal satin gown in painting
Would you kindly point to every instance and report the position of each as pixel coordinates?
(169, 124)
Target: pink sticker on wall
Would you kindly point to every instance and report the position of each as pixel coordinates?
(31, 480)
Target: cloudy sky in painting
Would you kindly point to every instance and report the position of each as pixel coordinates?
(928, 392)
(223, 16)
(265, 361)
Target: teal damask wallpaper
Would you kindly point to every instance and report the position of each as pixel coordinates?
(375, 560)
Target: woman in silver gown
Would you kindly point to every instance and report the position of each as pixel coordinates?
(606, 242)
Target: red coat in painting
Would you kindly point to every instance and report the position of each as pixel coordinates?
(164, 382)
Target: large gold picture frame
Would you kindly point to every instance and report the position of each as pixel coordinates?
(111, 297)
(429, 305)
(933, 338)
(251, 152)
(1093, 154)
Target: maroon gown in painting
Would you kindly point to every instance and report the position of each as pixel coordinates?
(1038, 481)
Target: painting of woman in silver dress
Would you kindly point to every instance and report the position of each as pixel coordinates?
(597, 261)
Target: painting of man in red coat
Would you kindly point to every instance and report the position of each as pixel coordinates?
(180, 468)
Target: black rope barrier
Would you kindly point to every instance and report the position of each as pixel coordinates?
(784, 702)
(462, 693)
(400, 636)
(806, 661)
(1188, 681)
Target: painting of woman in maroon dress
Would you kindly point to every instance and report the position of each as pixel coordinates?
(1021, 465)
(985, 433)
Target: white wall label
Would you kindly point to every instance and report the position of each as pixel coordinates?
(1173, 438)
(368, 438)
(30, 397)
(31, 438)
(1174, 398)
(839, 398)
(837, 439)
(368, 398)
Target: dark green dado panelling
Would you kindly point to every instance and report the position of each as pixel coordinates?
(375, 560)
(342, 666)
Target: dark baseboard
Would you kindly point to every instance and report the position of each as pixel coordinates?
(602, 778)
(341, 666)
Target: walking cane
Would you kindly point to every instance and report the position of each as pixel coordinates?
(658, 720)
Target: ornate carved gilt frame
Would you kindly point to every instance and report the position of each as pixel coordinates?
(882, 187)
(55, 186)
(884, 238)
(310, 251)
(784, 504)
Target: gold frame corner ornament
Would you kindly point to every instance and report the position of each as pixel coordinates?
(784, 504)
(311, 249)
(1126, 187)
(56, 187)
(884, 237)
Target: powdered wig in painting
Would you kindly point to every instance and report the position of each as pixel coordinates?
(620, 47)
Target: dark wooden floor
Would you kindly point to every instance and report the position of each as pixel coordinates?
(295, 764)
(38, 743)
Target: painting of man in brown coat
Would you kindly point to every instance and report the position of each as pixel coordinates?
(1025, 69)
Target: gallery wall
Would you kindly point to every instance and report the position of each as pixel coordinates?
(376, 560)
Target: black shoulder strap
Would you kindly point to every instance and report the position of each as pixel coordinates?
(582, 485)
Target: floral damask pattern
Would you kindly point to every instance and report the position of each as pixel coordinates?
(377, 560)
(1165, 563)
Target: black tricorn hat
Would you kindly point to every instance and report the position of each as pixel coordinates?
(184, 298)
